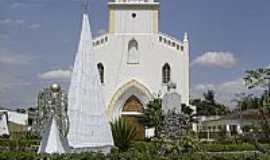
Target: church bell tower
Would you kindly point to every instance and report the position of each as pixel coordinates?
(133, 16)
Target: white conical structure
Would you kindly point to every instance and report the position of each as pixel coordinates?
(89, 127)
(52, 141)
(4, 124)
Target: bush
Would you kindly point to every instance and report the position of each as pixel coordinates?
(228, 147)
(132, 154)
(35, 156)
(18, 144)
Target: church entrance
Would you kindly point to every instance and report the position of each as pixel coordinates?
(133, 112)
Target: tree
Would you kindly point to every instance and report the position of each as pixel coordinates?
(257, 78)
(208, 106)
(123, 133)
(245, 102)
(209, 97)
(153, 115)
(260, 78)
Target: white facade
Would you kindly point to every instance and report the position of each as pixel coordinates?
(133, 53)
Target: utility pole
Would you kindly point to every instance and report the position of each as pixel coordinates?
(267, 98)
(267, 77)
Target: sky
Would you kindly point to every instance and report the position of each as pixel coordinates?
(39, 38)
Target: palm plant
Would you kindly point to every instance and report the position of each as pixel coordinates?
(258, 78)
(123, 133)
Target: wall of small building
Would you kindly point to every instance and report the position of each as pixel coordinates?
(17, 123)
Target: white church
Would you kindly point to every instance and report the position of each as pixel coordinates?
(136, 61)
(117, 74)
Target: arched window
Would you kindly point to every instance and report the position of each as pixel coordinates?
(133, 52)
(166, 73)
(101, 72)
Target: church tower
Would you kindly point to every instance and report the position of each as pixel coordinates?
(133, 16)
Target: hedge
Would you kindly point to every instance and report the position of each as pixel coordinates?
(19, 144)
(230, 147)
(22, 142)
(131, 155)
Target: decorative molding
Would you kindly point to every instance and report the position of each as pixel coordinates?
(122, 90)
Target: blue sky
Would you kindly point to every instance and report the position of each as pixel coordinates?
(38, 40)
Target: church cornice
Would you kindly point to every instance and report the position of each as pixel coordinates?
(171, 42)
(170, 37)
(130, 5)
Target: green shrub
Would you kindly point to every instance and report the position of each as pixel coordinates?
(35, 156)
(133, 154)
(228, 147)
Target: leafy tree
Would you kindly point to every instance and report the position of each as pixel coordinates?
(245, 102)
(123, 133)
(153, 115)
(208, 105)
(209, 97)
(190, 142)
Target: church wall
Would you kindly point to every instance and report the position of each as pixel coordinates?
(153, 54)
(142, 23)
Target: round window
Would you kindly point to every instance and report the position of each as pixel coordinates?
(134, 15)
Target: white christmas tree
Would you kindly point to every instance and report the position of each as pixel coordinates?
(89, 127)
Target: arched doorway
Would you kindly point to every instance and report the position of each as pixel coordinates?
(133, 111)
(129, 101)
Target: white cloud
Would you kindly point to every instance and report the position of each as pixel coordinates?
(101, 32)
(34, 26)
(3, 36)
(217, 59)
(11, 21)
(17, 4)
(225, 92)
(204, 87)
(6, 21)
(59, 74)
(19, 21)
(7, 57)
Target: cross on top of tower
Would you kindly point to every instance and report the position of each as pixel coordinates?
(85, 5)
(133, 1)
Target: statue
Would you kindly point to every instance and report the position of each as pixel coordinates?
(52, 101)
